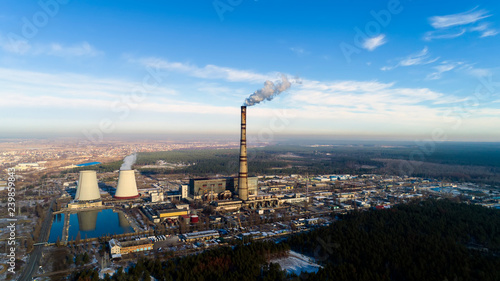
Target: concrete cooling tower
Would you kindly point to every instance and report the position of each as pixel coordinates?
(127, 188)
(87, 189)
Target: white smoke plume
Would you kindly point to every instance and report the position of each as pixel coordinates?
(269, 91)
(128, 162)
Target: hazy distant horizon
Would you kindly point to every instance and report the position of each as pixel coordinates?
(252, 138)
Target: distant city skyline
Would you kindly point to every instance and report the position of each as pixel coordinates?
(395, 70)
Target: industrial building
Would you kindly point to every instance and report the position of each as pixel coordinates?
(159, 213)
(122, 248)
(228, 205)
(157, 197)
(200, 188)
(200, 235)
(219, 188)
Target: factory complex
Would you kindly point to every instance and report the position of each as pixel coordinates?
(227, 193)
(162, 213)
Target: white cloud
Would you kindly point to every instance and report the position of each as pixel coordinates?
(421, 57)
(207, 72)
(418, 58)
(70, 85)
(489, 33)
(345, 86)
(16, 45)
(485, 30)
(21, 46)
(464, 18)
(447, 34)
(387, 109)
(299, 51)
(477, 72)
(456, 25)
(372, 43)
(220, 92)
(79, 50)
(355, 93)
(442, 68)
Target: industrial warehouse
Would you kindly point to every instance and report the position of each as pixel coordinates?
(122, 248)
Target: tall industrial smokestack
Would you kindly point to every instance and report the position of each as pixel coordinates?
(243, 175)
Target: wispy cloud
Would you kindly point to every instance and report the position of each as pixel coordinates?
(456, 25)
(299, 51)
(352, 93)
(445, 66)
(206, 72)
(69, 85)
(371, 103)
(79, 50)
(485, 30)
(477, 72)
(421, 57)
(14, 45)
(418, 58)
(21, 46)
(372, 43)
(464, 18)
(446, 34)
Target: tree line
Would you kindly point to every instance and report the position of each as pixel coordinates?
(428, 240)
(238, 263)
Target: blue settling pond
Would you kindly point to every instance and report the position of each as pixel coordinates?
(90, 224)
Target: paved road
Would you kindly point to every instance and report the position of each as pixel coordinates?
(32, 265)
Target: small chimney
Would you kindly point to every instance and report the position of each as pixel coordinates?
(243, 175)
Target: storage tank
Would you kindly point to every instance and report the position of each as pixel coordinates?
(127, 187)
(87, 189)
(194, 218)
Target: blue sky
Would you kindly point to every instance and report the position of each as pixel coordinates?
(412, 70)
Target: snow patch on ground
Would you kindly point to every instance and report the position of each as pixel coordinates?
(297, 263)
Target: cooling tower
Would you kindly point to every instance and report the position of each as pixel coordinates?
(243, 175)
(87, 189)
(127, 188)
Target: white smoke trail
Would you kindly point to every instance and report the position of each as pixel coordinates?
(128, 162)
(269, 91)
